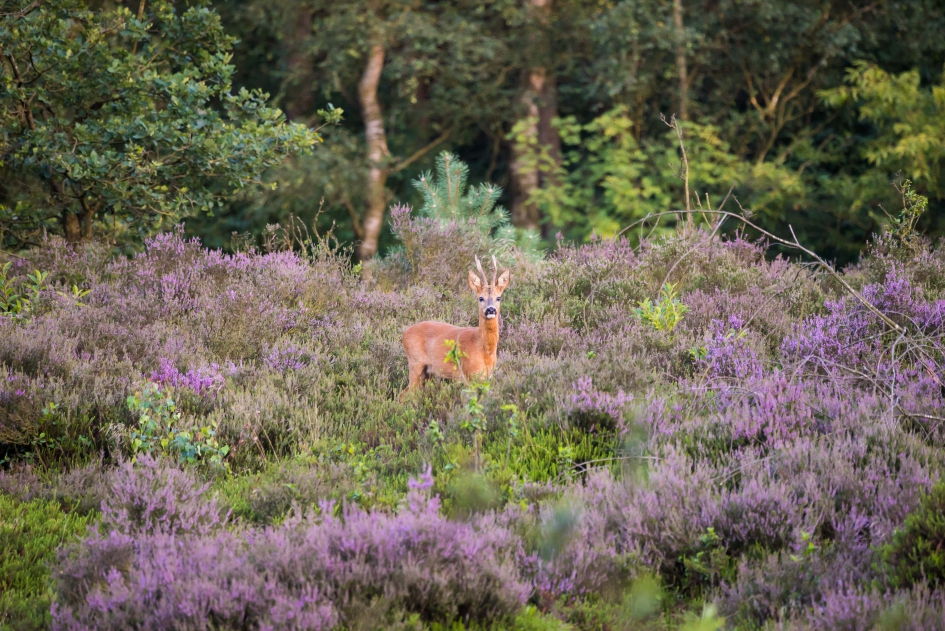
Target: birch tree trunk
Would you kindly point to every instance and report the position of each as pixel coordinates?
(377, 153)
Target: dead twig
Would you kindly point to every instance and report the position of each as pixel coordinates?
(795, 244)
(711, 236)
(673, 124)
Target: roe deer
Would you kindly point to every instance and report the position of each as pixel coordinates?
(427, 344)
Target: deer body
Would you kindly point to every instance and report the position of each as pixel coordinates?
(427, 344)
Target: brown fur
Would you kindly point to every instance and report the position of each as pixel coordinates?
(425, 342)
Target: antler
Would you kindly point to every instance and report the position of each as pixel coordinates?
(495, 270)
(482, 274)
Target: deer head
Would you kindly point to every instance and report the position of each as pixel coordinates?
(489, 294)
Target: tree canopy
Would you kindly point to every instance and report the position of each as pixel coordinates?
(811, 109)
(125, 123)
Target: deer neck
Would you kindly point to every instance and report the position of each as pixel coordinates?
(489, 334)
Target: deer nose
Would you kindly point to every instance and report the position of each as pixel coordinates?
(490, 312)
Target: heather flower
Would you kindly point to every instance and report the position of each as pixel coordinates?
(848, 607)
(578, 551)
(290, 357)
(596, 411)
(159, 560)
(204, 380)
(728, 353)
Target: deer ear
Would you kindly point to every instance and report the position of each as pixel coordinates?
(504, 279)
(475, 283)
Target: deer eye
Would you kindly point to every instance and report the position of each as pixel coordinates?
(498, 299)
(481, 298)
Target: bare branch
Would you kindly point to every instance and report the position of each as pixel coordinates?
(32, 6)
(403, 164)
(795, 244)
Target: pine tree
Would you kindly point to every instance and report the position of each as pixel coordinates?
(448, 198)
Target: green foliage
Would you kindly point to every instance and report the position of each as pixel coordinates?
(17, 299)
(664, 314)
(707, 564)
(528, 619)
(706, 620)
(514, 424)
(447, 197)
(475, 418)
(810, 548)
(901, 237)
(454, 355)
(446, 78)
(473, 394)
(609, 179)
(162, 428)
(643, 605)
(917, 550)
(31, 532)
(455, 224)
(909, 119)
(540, 454)
(455, 76)
(913, 207)
(108, 118)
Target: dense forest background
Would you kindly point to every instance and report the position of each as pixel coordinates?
(812, 109)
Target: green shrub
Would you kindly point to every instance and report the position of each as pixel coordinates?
(917, 551)
(542, 454)
(267, 496)
(664, 314)
(30, 533)
(18, 301)
(162, 428)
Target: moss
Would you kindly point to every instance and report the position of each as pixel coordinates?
(917, 551)
(30, 534)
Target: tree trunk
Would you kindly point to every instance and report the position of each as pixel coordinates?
(88, 219)
(526, 177)
(71, 227)
(539, 103)
(681, 71)
(298, 102)
(377, 154)
(547, 111)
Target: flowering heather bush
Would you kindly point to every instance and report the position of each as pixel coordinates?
(289, 358)
(80, 490)
(916, 610)
(161, 559)
(766, 454)
(729, 352)
(433, 250)
(204, 380)
(595, 411)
